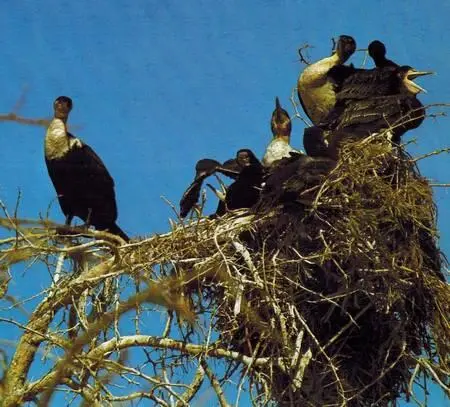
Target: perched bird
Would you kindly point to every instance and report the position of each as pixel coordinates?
(83, 184)
(281, 126)
(377, 51)
(245, 191)
(378, 99)
(366, 83)
(203, 169)
(317, 94)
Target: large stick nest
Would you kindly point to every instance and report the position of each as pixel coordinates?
(336, 277)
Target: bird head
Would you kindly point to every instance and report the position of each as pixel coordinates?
(62, 106)
(345, 47)
(376, 50)
(281, 122)
(407, 76)
(245, 157)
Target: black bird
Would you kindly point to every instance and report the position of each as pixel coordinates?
(289, 182)
(366, 83)
(314, 142)
(281, 126)
(368, 100)
(203, 169)
(317, 94)
(378, 99)
(245, 191)
(377, 51)
(83, 184)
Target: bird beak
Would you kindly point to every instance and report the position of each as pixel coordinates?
(413, 74)
(277, 103)
(278, 108)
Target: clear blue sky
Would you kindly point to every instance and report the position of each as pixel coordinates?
(157, 85)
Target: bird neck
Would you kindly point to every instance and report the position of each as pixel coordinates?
(282, 137)
(378, 60)
(315, 75)
(56, 139)
(335, 59)
(63, 116)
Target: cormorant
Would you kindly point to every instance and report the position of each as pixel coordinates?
(203, 169)
(377, 99)
(245, 191)
(317, 94)
(281, 127)
(366, 83)
(83, 184)
(377, 51)
(372, 101)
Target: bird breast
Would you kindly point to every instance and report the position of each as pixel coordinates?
(316, 92)
(276, 150)
(57, 141)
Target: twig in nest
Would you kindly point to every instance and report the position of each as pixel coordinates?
(300, 53)
(295, 105)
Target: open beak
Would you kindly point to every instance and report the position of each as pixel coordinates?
(413, 74)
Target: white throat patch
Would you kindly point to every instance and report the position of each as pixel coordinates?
(57, 141)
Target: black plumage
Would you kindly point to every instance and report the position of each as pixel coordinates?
(84, 186)
(357, 84)
(377, 51)
(203, 169)
(398, 113)
(378, 99)
(314, 142)
(245, 191)
(292, 182)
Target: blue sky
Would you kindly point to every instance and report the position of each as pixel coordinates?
(158, 85)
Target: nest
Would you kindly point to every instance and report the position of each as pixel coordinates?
(335, 277)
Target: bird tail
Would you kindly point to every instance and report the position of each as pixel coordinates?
(115, 230)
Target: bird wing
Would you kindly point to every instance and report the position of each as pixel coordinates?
(203, 169)
(206, 167)
(83, 183)
(190, 197)
(367, 83)
(84, 156)
(381, 112)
